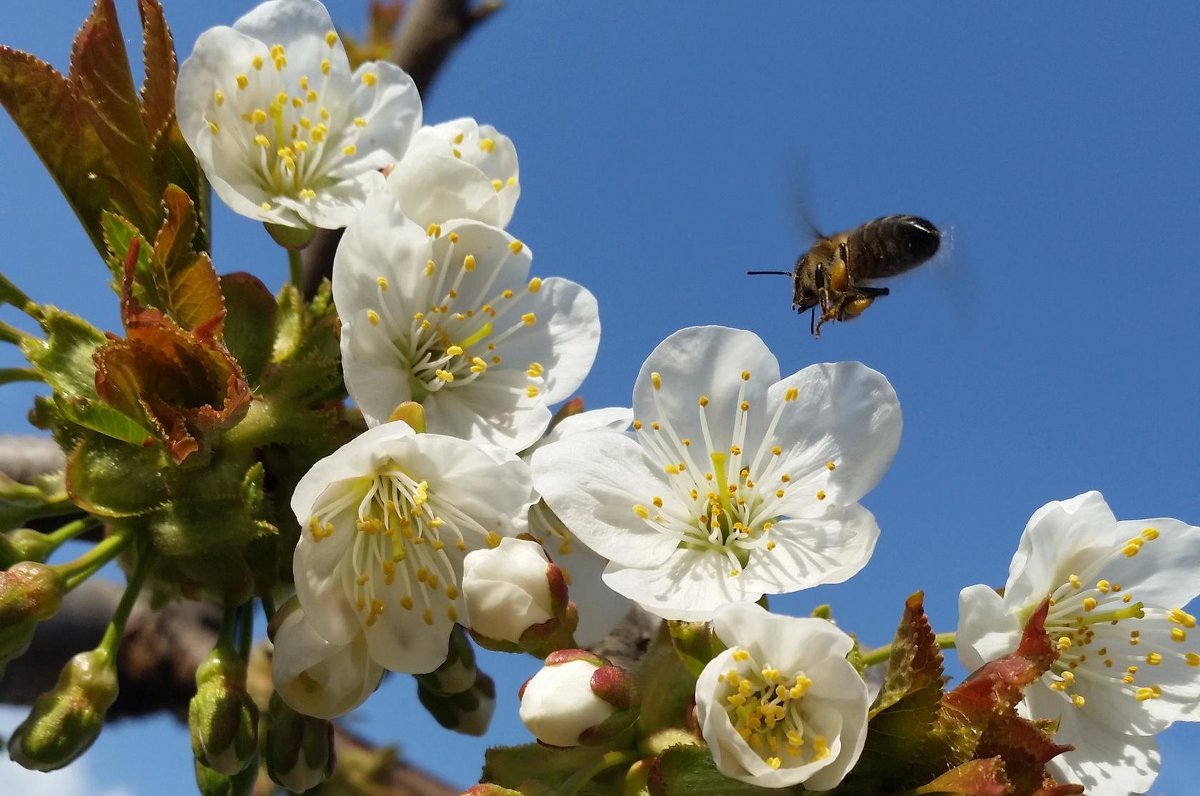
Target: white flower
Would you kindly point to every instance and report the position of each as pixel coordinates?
(782, 706)
(283, 130)
(507, 589)
(387, 520)
(1128, 661)
(450, 318)
(458, 169)
(739, 484)
(558, 704)
(599, 607)
(318, 678)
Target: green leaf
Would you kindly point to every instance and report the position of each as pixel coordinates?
(43, 105)
(105, 91)
(690, 771)
(64, 357)
(119, 235)
(175, 164)
(250, 324)
(103, 419)
(536, 770)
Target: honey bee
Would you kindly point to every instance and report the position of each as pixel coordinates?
(834, 273)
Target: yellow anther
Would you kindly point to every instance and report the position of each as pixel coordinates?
(469, 263)
(212, 126)
(656, 380)
(406, 602)
(516, 246)
(511, 181)
(265, 205)
(454, 351)
(1146, 693)
(433, 231)
(641, 511)
(506, 294)
(256, 62)
(373, 317)
(1064, 642)
(349, 150)
(487, 145)
(1150, 534)
(529, 319)
(1103, 586)
(370, 79)
(331, 38)
(1089, 603)
(242, 81)
(532, 391)
(382, 282)
(1077, 700)
(1192, 658)
(1181, 617)
(453, 237)
(258, 116)
(745, 375)
(791, 394)
(360, 121)
(820, 494)
(492, 539)
(535, 284)
(325, 66)
(456, 152)
(534, 370)
(1178, 634)
(1075, 582)
(1154, 659)
(497, 185)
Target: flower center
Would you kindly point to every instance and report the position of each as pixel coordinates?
(287, 128)
(765, 708)
(729, 505)
(455, 339)
(398, 556)
(1103, 633)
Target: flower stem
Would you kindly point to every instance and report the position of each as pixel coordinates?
(585, 775)
(116, 627)
(296, 268)
(10, 375)
(944, 641)
(69, 531)
(11, 294)
(11, 334)
(246, 629)
(82, 568)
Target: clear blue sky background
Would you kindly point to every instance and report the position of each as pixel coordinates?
(660, 146)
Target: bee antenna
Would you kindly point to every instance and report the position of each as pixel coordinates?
(761, 273)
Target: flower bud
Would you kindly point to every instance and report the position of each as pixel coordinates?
(222, 718)
(468, 712)
(23, 544)
(213, 783)
(29, 593)
(65, 721)
(299, 748)
(576, 698)
(516, 596)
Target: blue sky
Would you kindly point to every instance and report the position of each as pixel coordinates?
(662, 149)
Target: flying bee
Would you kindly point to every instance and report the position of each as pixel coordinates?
(834, 273)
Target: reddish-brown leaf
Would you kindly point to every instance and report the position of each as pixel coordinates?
(43, 105)
(185, 281)
(158, 58)
(103, 86)
(973, 778)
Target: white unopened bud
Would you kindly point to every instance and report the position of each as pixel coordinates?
(507, 589)
(576, 699)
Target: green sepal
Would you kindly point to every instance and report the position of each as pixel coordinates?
(537, 770)
(250, 325)
(690, 771)
(298, 749)
(211, 782)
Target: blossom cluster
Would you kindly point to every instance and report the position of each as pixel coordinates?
(466, 502)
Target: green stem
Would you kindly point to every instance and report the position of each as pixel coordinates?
(228, 626)
(82, 568)
(10, 375)
(296, 268)
(11, 294)
(944, 641)
(11, 334)
(586, 775)
(69, 531)
(246, 630)
(116, 628)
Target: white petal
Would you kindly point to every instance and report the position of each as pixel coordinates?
(495, 408)
(592, 481)
(985, 631)
(1164, 570)
(1104, 762)
(689, 586)
(402, 641)
(844, 413)
(1062, 537)
(317, 678)
(706, 361)
(300, 26)
(809, 552)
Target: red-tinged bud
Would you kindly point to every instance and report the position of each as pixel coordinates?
(29, 593)
(577, 699)
(65, 721)
(488, 789)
